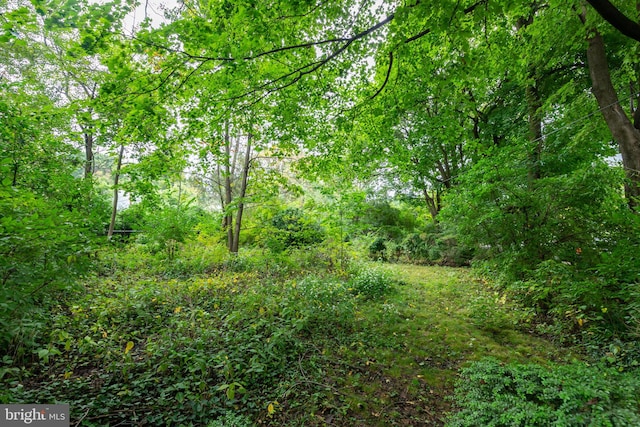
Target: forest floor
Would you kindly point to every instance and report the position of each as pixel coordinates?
(293, 348)
(442, 319)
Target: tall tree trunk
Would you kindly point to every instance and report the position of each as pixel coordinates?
(116, 180)
(433, 203)
(234, 162)
(622, 130)
(243, 192)
(534, 104)
(228, 195)
(89, 165)
(88, 129)
(14, 180)
(220, 189)
(16, 164)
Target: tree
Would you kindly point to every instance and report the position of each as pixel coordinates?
(617, 18)
(625, 132)
(226, 160)
(46, 222)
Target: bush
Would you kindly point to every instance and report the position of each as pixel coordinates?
(377, 249)
(169, 226)
(518, 223)
(436, 246)
(565, 244)
(380, 217)
(132, 218)
(492, 394)
(44, 248)
(231, 419)
(371, 283)
(417, 247)
(291, 229)
(325, 305)
(597, 310)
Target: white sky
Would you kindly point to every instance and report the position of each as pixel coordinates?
(153, 9)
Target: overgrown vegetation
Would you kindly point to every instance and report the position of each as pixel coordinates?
(271, 344)
(319, 333)
(321, 213)
(575, 394)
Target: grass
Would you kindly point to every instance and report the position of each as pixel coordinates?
(438, 320)
(264, 349)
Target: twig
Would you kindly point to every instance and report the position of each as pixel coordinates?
(83, 417)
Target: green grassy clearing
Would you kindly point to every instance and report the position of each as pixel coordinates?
(294, 349)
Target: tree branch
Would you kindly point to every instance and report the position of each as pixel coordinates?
(467, 11)
(312, 67)
(386, 79)
(417, 36)
(313, 9)
(296, 75)
(248, 57)
(616, 18)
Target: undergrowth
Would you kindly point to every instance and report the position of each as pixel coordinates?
(288, 339)
(491, 393)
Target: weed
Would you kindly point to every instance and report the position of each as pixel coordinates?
(231, 419)
(371, 282)
(491, 393)
(282, 342)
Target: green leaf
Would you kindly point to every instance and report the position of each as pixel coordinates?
(231, 391)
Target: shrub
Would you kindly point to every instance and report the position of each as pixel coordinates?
(564, 244)
(291, 229)
(44, 248)
(169, 226)
(417, 247)
(437, 246)
(371, 282)
(325, 304)
(231, 419)
(518, 224)
(377, 249)
(492, 394)
(132, 218)
(383, 218)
